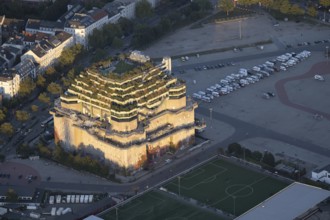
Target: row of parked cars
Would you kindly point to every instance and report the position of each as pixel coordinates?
(245, 77)
(214, 66)
(315, 42)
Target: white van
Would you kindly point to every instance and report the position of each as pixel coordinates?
(213, 88)
(230, 88)
(265, 73)
(224, 91)
(270, 70)
(244, 82)
(282, 68)
(229, 78)
(319, 77)
(206, 99)
(268, 63)
(209, 90)
(256, 68)
(223, 81)
(255, 78)
(250, 80)
(196, 96)
(242, 70)
(216, 94)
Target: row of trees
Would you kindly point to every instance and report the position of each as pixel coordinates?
(111, 34)
(284, 6)
(47, 10)
(237, 150)
(7, 129)
(265, 159)
(144, 33)
(76, 160)
(108, 35)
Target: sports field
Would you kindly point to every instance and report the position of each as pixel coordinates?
(156, 205)
(226, 186)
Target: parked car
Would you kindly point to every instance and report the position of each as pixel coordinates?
(319, 77)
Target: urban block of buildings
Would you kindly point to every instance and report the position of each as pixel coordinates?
(42, 42)
(125, 118)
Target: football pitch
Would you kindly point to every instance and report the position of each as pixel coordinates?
(155, 205)
(226, 186)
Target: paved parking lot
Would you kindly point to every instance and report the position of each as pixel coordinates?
(247, 104)
(13, 173)
(44, 169)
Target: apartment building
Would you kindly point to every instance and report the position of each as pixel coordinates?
(10, 79)
(46, 52)
(49, 27)
(82, 25)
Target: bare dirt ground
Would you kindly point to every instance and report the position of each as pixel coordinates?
(226, 34)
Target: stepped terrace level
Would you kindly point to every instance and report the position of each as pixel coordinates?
(125, 117)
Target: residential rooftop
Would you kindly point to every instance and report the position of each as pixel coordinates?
(44, 46)
(43, 24)
(70, 13)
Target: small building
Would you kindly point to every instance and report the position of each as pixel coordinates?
(289, 203)
(138, 56)
(3, 211)
(93, 217)
(322, 174)
(25, 194)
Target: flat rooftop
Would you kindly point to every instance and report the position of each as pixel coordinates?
(289, 203)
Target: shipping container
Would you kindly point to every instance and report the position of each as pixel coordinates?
(59, 211)
(65, 211)
(53, 212)
(51, 199)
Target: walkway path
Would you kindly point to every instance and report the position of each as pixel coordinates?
(19, 174)
(284, 98)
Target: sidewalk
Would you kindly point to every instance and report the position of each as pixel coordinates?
(287, 152)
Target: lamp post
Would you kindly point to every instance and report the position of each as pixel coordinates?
(179, 179)
(240, 29)
(327, 53)
(211, 109)
(116, 213)
(234, 198)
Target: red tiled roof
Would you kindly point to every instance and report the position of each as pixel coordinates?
(97, 15)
